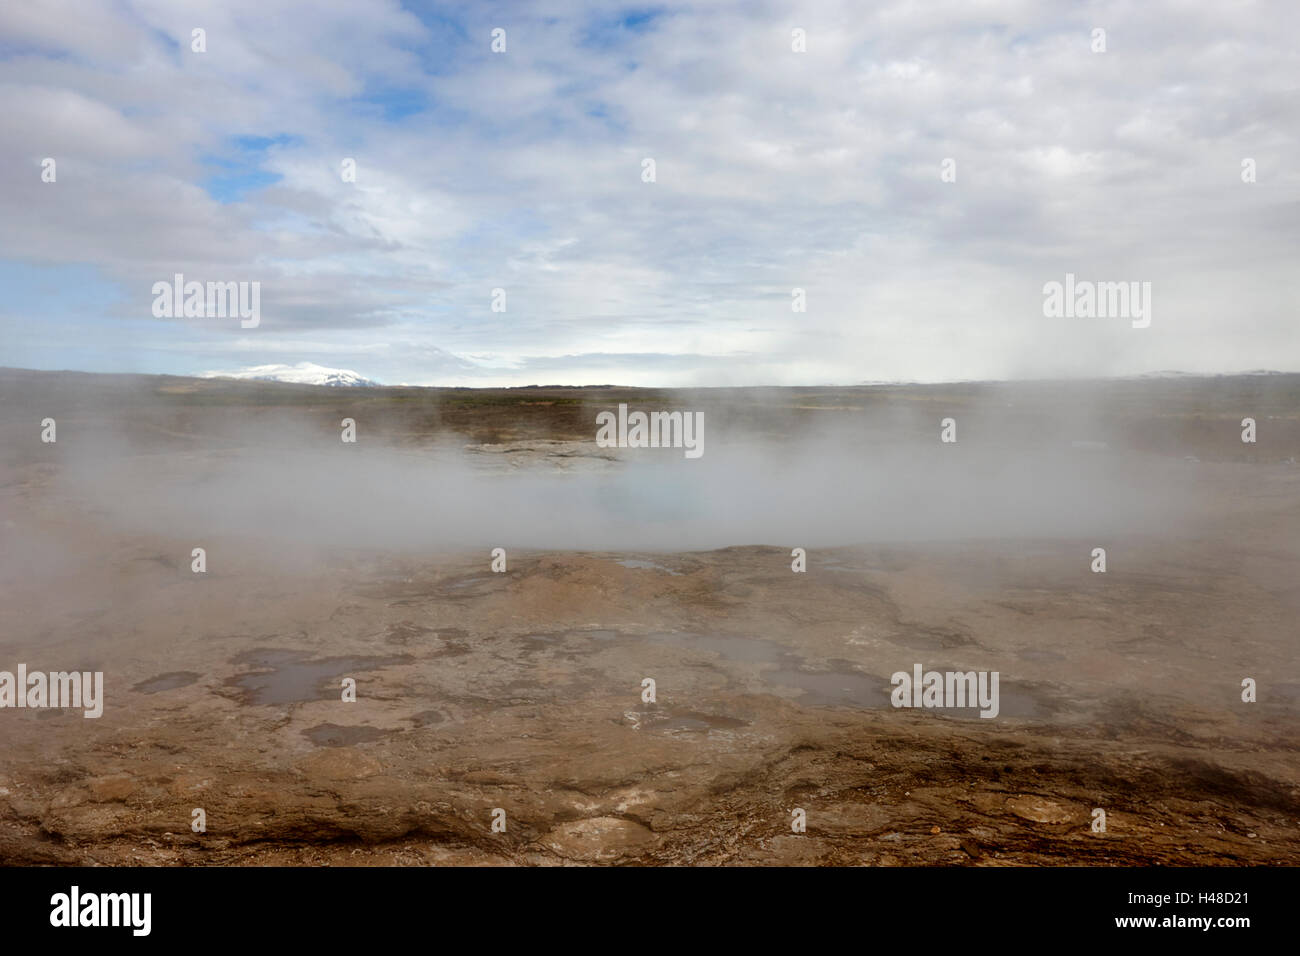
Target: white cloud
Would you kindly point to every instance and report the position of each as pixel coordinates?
(775, 170)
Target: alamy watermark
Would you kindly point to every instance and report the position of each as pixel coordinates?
(948, 689)
(652, 430)
(1098, 300)
(75, 908)
(55, 689)
(215, 300)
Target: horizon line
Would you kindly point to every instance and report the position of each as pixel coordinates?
(372, 384)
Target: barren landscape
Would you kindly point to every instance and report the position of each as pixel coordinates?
(522, 690)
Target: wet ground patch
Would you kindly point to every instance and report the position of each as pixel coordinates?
(335, 735)
(696, 722)
(293, 677)
(841, 683)
(169, 681)
(469, 585)
(1039, 655)
(930, 639)
(405, 632)
(641, 565)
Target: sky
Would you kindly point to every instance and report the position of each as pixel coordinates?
(921, 171)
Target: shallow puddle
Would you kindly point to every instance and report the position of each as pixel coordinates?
(291, 677)
(836, 688)
(686, 721)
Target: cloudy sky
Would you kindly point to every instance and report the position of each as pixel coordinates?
(774, 170)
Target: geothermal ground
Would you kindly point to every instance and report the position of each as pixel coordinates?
(522, 690)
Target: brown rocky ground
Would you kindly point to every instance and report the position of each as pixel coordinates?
(522, 690)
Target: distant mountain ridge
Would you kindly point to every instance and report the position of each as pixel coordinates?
(304, 373)
(1175, 373)
(1138, 376)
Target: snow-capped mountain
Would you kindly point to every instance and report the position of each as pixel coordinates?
(304, 373)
